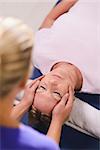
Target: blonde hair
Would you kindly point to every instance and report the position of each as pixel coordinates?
(16, 41)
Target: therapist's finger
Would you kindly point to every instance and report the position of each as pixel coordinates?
(64, 99)
(70, 99)
(31, 82)
(39, 78)
(35, 85)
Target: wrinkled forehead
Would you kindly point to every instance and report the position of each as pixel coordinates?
(50, 78)
(61, 88)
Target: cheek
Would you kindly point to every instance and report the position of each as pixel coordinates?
(43, 104)
(64, 88)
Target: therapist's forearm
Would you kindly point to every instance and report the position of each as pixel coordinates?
(55, 131)
(19, 110)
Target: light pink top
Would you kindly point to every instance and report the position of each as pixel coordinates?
(74, 38)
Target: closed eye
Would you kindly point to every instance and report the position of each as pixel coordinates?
(42, 87)
(58, 94)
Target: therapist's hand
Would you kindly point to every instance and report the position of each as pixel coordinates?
(19, 110)
(29, 92)
(62, 110)
(60, 113)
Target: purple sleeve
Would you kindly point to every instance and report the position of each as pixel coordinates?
(25, 138)
(38, 140)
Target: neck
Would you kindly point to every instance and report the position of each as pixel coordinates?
(71, 72)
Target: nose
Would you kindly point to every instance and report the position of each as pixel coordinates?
(47, 95)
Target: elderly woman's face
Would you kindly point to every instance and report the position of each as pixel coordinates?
(50, 91)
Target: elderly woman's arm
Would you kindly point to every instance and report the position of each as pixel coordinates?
(58, 10)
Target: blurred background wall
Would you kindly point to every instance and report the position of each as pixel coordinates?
(30, 11)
